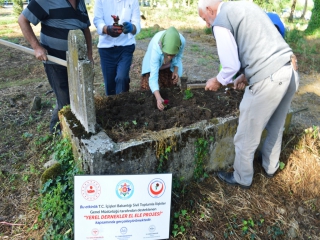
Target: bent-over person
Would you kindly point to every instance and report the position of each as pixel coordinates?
(248, 41)
(162, 63)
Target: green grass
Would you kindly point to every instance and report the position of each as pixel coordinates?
(195, 48)
(5, 31)
(173, 14)
(21, 82)
(207, 30)
(9, 39)
(146, 33)
(202, 61)
(306, 47)
(8, 20)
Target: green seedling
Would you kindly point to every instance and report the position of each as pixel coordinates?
(282, 165)
(178, 226)
(187, 94)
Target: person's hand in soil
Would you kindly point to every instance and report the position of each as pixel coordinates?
(213, 84)
(240, 83)
(175, 78)
(160, 100)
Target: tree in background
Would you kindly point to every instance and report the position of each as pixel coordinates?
(293, 7)
(2, 3)
(314, 23)
(304, 9)
(272, 6)
(17, 7)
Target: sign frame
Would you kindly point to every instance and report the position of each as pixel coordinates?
(122, 207)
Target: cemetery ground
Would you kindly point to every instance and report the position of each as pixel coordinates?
(284, 207)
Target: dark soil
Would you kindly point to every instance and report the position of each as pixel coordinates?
(128, 115)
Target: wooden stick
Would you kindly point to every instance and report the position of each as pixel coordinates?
(203, 85)
(31, 51)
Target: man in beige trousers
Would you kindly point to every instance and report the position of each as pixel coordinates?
(247, 41)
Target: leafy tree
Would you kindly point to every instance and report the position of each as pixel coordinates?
(17, 7)
(272, 6)
(314, 23)
(1, 3)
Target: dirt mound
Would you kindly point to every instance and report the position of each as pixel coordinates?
(128, 115)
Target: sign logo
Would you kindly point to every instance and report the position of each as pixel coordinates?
(124, 189)
(123, 230)
(152, 228)
(95, 232)
(156, 188)
(91, 190)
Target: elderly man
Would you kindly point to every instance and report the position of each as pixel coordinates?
(248, 41)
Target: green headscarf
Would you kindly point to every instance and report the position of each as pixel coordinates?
(170, 41)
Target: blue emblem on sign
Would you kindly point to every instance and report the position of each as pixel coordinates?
(124, 189)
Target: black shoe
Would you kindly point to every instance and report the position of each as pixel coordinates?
(228, 178)
(268, 175)
(259, 159)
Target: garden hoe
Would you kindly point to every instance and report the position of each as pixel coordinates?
(31, 51)
(185, 85)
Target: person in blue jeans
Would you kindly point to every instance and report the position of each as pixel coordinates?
(117, 23)
(57, 18)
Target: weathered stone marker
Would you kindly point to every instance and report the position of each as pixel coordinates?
(80, 77)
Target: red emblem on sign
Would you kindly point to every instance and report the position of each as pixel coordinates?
(91, 190)
(95, 232)
(156, 188)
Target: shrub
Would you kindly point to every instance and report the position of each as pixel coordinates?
(17, 7)
(57, 195)
(314, 23)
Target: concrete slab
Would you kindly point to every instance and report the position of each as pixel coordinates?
(101, 155)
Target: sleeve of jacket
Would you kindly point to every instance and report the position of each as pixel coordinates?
(98, 19)
(155, 63)
(135, 19)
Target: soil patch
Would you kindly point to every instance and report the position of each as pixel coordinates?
(129, 115)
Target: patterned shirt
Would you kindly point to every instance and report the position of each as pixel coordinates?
(57, 17)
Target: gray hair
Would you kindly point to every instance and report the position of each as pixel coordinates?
(202, 4)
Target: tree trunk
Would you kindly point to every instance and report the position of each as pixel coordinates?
(314, 23)
(293, 7)
(304, 9)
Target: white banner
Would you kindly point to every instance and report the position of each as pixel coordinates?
(122, 207)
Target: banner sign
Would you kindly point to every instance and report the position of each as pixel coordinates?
(122, 207)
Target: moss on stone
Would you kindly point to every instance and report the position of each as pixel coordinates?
(51, 173)
(214, 120)
(74, 124)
